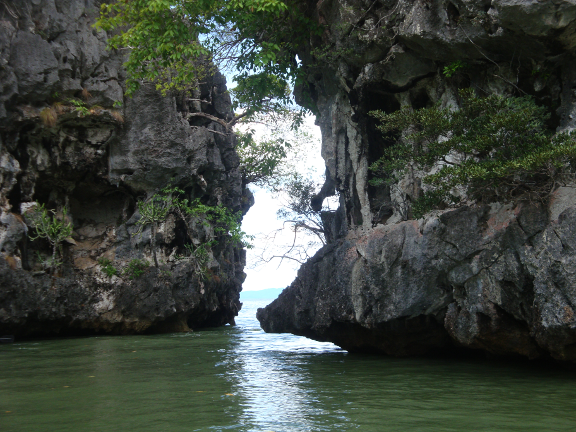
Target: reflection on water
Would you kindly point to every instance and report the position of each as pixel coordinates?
(271, 375)
(241, 379)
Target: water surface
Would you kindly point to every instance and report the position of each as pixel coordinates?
(242, 379)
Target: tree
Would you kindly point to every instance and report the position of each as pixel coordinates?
(491, 147)
(298, 210)
(175, 43)
(260, 161)
(277, 162)
(300, 218)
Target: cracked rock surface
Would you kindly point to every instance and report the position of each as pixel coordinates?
(97, 157)
(496, 276)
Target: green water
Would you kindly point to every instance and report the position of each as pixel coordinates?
(241, 379)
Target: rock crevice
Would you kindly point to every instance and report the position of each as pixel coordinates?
(69, 139)
(493, 276)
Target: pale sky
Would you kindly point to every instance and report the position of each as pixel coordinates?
(262, 219)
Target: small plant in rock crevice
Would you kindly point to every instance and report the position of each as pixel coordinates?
(107, 267)
(453, 68)
(80, 107)
(152, 212)
(200, 257)
(49, 115)
(136, 268)
(226, 225)
(53, 228)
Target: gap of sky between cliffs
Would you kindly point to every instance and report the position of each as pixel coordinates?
(262, 219)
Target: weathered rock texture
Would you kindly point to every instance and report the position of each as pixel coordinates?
(98, 160)
(497, 277)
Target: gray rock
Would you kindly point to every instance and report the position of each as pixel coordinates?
(496, 278)
(533, 17)
(468, 278)
(98, 165)
(34, 64)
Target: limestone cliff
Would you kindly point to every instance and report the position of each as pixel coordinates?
(498, 277)
(70, 139)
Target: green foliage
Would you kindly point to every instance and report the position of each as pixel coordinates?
(330, 54)
(298, 210)
(271, 161)
(48, 262)
(454, 68)
(136, 268)
(226, 224)
(47, 225)
(433, 199)
(152, 211)
(261, 93)
(260, 160)
(172, 43)
(169, 40)
(490, 146)
(80, 107)
(107, 267)
(200, 256)
(49, 115)
(164, 36)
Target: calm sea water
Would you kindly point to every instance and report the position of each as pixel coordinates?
(241, 379)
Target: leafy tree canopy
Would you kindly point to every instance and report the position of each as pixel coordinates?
(173, 43)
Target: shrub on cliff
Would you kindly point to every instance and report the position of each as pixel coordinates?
(492, 147)
(47, 225)
(226, 225)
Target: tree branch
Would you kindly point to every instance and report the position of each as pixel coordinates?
(209, 117)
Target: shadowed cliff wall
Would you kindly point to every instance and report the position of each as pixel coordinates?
(98, 159)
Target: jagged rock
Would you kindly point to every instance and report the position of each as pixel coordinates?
(498, 277)
(98, 160)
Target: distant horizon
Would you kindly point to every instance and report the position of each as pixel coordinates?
(262, 294)
(259, 289)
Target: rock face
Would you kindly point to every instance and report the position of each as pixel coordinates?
(69, 139)
(495, 277)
